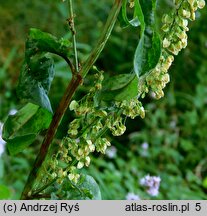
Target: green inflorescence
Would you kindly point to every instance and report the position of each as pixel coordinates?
(175, 26)
(87, 132)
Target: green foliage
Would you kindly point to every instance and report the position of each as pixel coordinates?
(85, 189)
(123, 18)
(148, 51)
(15, 169)
(20, 130)
(39, 42)
(175, 127)
(90, 184)
(37, 72)
(117, 82)
(149, 47)
(35, 80)
(117, 88)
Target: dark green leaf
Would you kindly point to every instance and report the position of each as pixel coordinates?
(85, 189)
(148, 50)
(147, 53)
(123, 18)
(139, 14)
(35, 81)
(90, 185)
(119, 88)
(18, 144)
(38, 70)
(21, 129)
(39, 42)
(4, 192)
(117, 82)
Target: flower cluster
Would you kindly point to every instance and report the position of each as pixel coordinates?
(131, 3)
(80, 150)
(159, 77)
(86, 132)
(86, 104)
(116, 125)
(152, 183)
(84, 135)
(131, 108)
(175, 27)
(73, 175)
(102, 144)
(132, 196)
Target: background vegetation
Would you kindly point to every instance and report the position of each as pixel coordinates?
(173, 132)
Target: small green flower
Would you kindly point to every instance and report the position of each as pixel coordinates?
(73, 105)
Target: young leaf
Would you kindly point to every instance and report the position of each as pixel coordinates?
(148, 50)
(117, 82)
(39, 42)
(139, 14)
(21, 129)
(119, 88)
(38, 70)
(35, 81)
(123, 18)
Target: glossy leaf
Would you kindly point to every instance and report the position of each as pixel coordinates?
(139, 14)
(35, 81)
(20, 130)
(117, 82)
(90, 185)
(38, 70)
(123, 18)
(39, 42)
(148, 50)
(86, 189)
(119, 88)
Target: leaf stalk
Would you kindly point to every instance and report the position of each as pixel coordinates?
(77, 80)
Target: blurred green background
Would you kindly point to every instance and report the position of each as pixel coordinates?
(171, 142)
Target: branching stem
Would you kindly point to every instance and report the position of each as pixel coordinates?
(73, 85)
(103, 38)
(65, 101)
(72, 28)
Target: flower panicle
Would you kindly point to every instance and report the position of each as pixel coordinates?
(175, 28)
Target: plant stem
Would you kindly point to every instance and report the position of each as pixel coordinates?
(103, 39)
(72, 28)
(70, 64)
(72, 87)
(44, 187)
(40, 196)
